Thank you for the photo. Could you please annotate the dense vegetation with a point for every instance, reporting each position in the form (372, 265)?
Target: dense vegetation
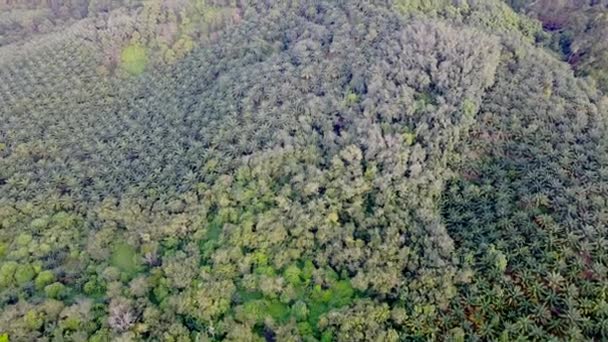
(578, 30)
(301, 171)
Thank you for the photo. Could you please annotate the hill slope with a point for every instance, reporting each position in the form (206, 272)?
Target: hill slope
(307, 171)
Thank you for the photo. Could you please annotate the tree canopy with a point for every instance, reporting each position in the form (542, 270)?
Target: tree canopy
(302, 171)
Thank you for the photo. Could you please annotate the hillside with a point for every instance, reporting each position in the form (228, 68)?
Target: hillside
(300, 171)
(578, 30)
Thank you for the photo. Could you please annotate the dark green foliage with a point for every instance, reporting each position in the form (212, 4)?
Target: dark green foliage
(517, 202)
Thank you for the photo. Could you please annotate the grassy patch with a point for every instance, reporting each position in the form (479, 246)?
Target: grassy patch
(134, 59)
(126, 259)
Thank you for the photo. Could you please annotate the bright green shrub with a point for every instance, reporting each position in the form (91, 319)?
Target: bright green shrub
(254, 310)
(43, 249)
(305, 329)
(55, 290)
(43, 279)
(24, 273)
(20, 253)
(469, 108)
(33, 320)
(7, 272)
(350, 98)
(408, 138)
(23, 239)
(292, 275)
(101, 335)
(328, 336)
(64, 220)
(307, 271)
(93, 288)
(341, 294)
(39, 223)
(70, 323)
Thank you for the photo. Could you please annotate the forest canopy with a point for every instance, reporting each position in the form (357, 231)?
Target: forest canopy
(306, 170)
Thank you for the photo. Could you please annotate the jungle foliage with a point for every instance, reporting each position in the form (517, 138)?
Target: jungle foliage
(299, 170)
(578, 30)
